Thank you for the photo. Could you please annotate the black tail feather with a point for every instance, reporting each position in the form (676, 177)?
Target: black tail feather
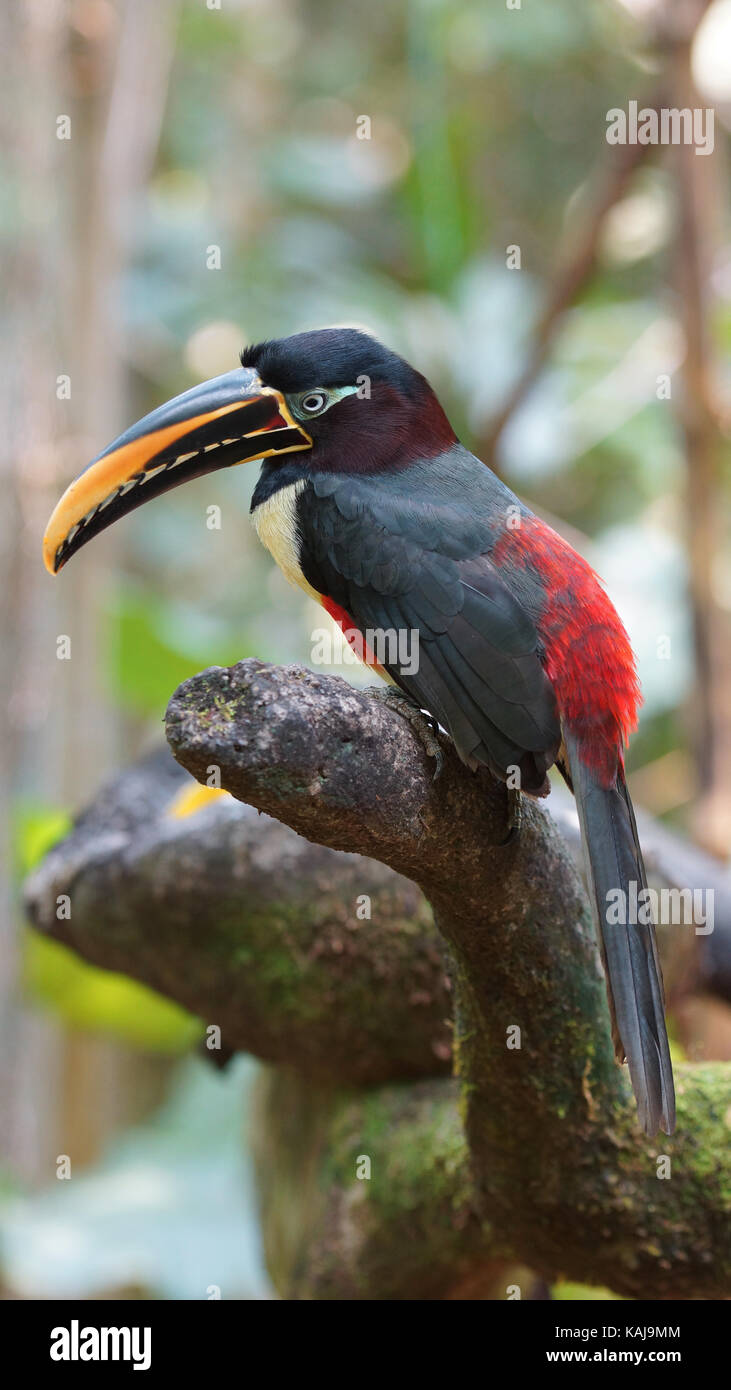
(629, 950)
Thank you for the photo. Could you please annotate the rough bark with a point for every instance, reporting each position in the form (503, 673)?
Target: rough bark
(255, 930)
(558, 1162)
(406, 1227)
(548, 1169)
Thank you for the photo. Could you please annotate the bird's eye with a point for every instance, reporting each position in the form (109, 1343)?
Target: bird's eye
(313, 402)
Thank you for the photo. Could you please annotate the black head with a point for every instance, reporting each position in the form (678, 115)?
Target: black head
(364, 407)
(335, 398)
(327, 357)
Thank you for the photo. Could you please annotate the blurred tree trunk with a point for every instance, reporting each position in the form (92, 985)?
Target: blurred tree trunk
(107, 73)
(33, 44)
(698, 413)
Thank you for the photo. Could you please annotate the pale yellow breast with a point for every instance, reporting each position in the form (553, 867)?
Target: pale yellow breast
(276, 526)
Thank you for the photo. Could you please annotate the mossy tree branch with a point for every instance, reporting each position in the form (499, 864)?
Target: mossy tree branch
(407, 1227)
(254, 928)
(566, 1179)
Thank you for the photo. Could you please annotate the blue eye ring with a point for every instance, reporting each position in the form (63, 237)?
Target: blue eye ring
(313, 402)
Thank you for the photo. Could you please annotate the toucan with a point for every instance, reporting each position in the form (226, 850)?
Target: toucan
(368, 501)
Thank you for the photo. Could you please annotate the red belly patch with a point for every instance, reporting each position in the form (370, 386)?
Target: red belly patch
(352, 634)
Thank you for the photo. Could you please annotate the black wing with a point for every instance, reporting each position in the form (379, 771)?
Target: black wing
(394, 564)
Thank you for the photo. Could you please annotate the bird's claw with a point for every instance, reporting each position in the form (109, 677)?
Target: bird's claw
(513, 816)
(425, 726)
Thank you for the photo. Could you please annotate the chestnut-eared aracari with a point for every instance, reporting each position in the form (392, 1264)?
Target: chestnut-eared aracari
(367, 501)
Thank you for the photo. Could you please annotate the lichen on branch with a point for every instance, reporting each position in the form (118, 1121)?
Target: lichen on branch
(560, 1167)
(251, 922)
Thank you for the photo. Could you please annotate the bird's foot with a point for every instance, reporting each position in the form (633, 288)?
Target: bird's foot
(513, 815)
(424, 725)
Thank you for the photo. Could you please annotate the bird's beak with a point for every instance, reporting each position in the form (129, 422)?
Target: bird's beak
(225, 421)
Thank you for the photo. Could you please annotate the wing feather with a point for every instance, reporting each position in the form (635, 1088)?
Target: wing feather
(391, 565)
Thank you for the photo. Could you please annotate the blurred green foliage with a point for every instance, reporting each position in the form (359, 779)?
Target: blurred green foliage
(37, 829)
(80, 994)
(153, 647)
(101, 1001)
(582, 1293)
